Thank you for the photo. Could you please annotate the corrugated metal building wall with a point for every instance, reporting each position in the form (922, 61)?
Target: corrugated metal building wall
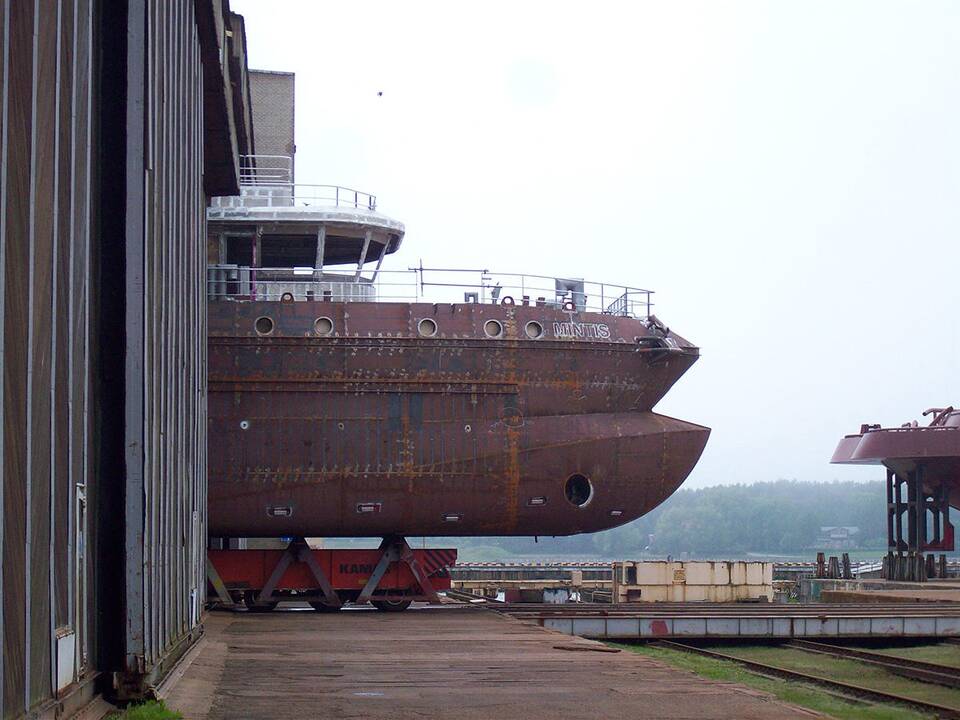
(45, 147)
(165, 386)
(116, 123)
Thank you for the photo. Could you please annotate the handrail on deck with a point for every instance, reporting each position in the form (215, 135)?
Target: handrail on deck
(447, 285)
(267, 181)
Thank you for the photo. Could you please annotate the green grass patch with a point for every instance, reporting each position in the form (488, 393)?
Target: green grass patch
(846, 671)
(147, 711)
(811, 697)
(940, 653)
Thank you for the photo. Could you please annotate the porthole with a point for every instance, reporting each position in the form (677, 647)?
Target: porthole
(427, 327)
(493, 328)
(534, 330)
(323, 326)
(244, 424)
(578, 490)
(263, 325)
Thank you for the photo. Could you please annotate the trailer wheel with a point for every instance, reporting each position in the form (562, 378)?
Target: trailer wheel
(324, 608)
(391, 605)
(250, 601)
(261, 607)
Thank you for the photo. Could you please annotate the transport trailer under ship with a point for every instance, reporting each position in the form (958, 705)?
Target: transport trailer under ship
(362, 402)
(390, 578)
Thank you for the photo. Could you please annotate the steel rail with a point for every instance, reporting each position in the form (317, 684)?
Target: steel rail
(826, 612)
(461, 596)
(848, 689)
(913, 669)
(713, 614)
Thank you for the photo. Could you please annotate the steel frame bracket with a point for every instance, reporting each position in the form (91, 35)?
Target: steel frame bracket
(298, 551)
(395, 548)
(218, 585)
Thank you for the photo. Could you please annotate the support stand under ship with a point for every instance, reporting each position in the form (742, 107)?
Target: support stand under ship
(922, 467)
(350, 400)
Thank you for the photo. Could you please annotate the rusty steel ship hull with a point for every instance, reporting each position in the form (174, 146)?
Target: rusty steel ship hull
(348, 419)
(904, 449)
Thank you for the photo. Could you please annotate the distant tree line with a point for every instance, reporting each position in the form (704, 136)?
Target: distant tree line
(776, 518)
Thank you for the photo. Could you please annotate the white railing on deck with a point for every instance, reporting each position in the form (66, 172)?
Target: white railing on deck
(266, 170)
(267, 181)
(448, 285)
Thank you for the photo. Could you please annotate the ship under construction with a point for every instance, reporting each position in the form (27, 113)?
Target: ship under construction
(349, 399)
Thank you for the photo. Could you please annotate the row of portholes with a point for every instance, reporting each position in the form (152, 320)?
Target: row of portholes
(427, 327)
(491, 328)
(321, 326)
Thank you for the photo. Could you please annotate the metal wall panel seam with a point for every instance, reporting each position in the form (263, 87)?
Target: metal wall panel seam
(168, 381)
(159, 312)
(168, 469)
(3, 291)
(186, 422)
(83, 654)
(52, 577)
(16, 169)
(150, 330)
(199, 424)
(42, 313)
(160, 399)
(156, 315)
(175, 349)
(172, 469)
(66, 334)
(152, 432)
(71, 370)
(181, 239)
(174, 268)
(31, 237)
(134, 337)
(199, 239)
(168, 384)
(200, 504)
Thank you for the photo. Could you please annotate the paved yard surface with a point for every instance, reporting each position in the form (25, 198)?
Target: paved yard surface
(432, 662)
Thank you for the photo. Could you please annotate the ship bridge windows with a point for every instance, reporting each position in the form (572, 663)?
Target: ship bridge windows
(344, 250)
(287, 251)
(239, 251)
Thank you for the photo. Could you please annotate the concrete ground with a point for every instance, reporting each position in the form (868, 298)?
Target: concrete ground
(427, 662)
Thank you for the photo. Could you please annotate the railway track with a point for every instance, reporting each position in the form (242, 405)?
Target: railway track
(913, 669)
(846, 689)
(730, 609)
(470, 598)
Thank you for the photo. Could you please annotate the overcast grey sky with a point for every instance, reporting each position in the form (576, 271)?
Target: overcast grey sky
(784, 174)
